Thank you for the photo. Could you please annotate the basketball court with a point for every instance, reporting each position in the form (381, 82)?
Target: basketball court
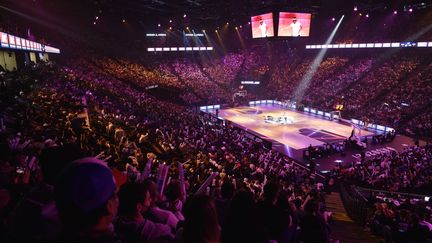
(293, 129)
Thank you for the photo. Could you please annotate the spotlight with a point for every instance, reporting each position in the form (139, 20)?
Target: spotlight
(170, 28)
(124, 21)
(333, 19)
(216, 31)
(360, 14)
(227, 23)
(249, 23)
(159, 25)
(355, 8)
(395, 12)
(236, 28)
(187, 27)
(367, 15)
(241, 26)
(410, 10)
(184, 15)
(170, 21)
(307, 77)
(203, 31)
(97, 17)
(94, 22)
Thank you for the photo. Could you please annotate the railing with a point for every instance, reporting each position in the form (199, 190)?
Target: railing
(356, 205)
(410, 195)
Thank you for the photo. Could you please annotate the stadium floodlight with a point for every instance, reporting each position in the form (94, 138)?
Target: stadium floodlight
(386, 45)
(188, 48)
(173, 48)
(182, 49)
(370, 45)
(378, 45)
(430, 44)
(150, 49)
(362, 45)
(196, 48)
(210, 48)
(348, 45)
(422, 44)
(395, 44)
(203, 48)
(166, 49)
(308, 47)
(306, 79)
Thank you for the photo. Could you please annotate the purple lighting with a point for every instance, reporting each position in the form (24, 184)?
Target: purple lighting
(333, 19)
(395, 12)
(410, 10)
(355, 8)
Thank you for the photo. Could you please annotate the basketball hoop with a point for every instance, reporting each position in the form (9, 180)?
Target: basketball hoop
(335, 115)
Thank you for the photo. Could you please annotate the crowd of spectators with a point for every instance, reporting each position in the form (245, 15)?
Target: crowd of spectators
(401, 219)
(399, 97)
(406, 171)
(162, 154)
(395, 216)
(52, 117)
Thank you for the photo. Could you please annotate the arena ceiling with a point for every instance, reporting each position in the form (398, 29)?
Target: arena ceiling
(211, 12)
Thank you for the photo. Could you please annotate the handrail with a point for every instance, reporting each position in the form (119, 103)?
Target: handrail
(389, 192)
(359, 194)
(356, 207)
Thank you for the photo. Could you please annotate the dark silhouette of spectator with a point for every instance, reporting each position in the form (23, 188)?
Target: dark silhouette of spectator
(131, 226)
(201, 224)
(87, 201)
(242, 224)
(312, 226)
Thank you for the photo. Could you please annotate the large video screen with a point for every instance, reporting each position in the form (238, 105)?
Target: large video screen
(262, 26)
(294, 24)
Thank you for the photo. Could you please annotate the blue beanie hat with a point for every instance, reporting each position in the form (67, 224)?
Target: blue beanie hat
(87, 183)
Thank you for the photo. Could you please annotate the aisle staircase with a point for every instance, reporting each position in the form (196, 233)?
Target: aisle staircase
(342, 227)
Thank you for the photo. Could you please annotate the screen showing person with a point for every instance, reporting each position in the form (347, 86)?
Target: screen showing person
(294, 24)
(262, 26)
